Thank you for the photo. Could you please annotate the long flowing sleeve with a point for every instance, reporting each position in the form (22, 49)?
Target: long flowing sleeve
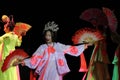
(1, 45)
(72, 50)
(3, 37)
(1, 40)
(33, 62)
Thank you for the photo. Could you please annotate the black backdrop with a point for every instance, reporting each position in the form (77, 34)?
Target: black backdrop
(66, 15)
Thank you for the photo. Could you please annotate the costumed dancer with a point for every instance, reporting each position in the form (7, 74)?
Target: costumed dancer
(116, 61)
(88, 35)
(8, 42)
(49, 59)
(113, 24)
(98, 69)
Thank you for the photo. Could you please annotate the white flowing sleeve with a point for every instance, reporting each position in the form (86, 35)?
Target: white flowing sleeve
(72, 50)
(33, 62)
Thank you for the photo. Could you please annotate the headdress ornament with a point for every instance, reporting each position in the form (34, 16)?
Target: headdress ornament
(51, 26)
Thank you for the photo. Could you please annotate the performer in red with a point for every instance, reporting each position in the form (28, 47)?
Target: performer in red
(98, 66)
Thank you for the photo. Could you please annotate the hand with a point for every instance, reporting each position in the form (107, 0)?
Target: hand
(86, 46)
(89, 43)
(92, 43)
(17, 62)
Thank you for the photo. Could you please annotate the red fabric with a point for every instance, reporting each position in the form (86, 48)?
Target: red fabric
(41, 62)
(32, 76)
(44, 69)
(83, 67)
(61, 62)
(34, 59)
(51, 49)
(91, 62)
(73, 50)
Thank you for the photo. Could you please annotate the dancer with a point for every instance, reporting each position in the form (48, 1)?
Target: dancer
(8, 42)
(98, 69)
(49, 59)
(116, 61)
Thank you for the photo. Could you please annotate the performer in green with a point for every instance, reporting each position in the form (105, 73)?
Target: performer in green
(8, 42)
(116, 61)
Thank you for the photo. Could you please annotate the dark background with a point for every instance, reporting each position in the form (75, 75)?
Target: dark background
(66, 15)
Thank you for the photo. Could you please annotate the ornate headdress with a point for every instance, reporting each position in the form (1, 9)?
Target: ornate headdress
(51, 26)
(6, 18)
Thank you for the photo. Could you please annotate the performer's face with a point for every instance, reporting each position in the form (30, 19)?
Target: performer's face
(48, 37)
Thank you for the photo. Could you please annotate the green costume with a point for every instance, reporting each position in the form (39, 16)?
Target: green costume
(116, 62)
(8, 42)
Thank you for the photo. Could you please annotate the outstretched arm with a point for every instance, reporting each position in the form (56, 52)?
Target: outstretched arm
(33, 62)
(73, 50)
